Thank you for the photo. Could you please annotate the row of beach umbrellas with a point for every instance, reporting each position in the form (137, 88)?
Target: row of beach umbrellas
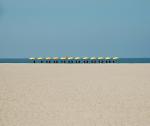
(85, 59)
(75, 58)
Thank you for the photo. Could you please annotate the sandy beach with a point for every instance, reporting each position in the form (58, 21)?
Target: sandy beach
(74, 95)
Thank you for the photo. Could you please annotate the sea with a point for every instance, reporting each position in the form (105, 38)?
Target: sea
(120, 60)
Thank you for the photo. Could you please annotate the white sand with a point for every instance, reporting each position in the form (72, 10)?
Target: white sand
(74, 95)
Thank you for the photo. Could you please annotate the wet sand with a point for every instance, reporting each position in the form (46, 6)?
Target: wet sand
(74, 95)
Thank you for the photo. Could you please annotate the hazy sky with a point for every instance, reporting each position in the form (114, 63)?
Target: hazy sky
(74, 27)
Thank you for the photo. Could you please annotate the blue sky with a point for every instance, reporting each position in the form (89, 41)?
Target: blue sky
(75, 28)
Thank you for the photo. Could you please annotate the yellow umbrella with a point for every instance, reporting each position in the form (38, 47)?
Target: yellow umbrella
(93, 58)
(100, 58)
(55, 58)
(107, 58)
(39, 58)
(115, 58)
(85, 58)
(32, 58)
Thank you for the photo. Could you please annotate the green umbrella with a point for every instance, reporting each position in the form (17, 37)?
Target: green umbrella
(100, 58)
(93, 58)
(85, 58)
(77, 59)
(107, 58)
(115, 58)
(70, 58)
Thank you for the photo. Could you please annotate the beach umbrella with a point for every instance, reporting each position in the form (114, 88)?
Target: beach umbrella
(107, 59)
(115, 58)
(93, 59)
(40, 58)
(77, 59)
(48, 58)
(64, 58)
(70, 58)
(100, 58)
(55, 59)
(32, 58)
(85, 59)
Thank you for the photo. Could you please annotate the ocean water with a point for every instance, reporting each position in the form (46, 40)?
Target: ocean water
(26, 60)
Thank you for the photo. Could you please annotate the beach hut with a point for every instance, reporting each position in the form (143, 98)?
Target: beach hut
(77, 59)
(108, 59)
(100, 59)
(93, 59)
(64, 59)
(33, 59)
(48, 59)
(55, 59)
(115, 59)
(85, 59)
(70, 59)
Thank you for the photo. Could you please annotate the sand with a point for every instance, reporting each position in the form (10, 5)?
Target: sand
(74, 95)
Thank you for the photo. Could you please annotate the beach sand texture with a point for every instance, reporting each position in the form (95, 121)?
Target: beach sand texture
(74, 95)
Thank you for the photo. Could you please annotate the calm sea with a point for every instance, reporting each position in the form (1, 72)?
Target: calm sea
(26, 60)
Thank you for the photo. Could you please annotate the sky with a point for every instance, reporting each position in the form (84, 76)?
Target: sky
(34, 28)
